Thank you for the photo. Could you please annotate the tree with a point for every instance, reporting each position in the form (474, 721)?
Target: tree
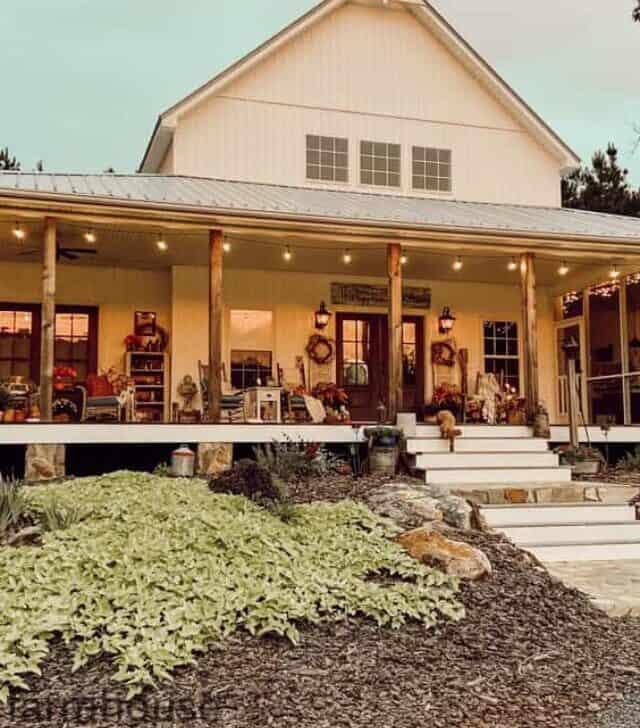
(7, 161)
(636, 12)
(603, 187)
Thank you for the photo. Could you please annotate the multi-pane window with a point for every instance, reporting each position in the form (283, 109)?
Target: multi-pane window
(380, 164)
(72, 343)
(432, 169)
(16, 343)
(327, 158)
(356, 352)
(250, 368)
(501, 355)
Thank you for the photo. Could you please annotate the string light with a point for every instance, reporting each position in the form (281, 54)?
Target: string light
(458, 264)
(18, 232)
(90, 236)
(347, 257)
(226, 246)
(161, 244)
(513, 264)
(563, 269)
(614, 273)
(404, 259)
(287, 255)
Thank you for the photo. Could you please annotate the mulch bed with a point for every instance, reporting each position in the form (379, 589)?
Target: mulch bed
(531, 653)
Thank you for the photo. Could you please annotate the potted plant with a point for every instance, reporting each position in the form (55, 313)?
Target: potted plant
(584, 460)
(384, 448)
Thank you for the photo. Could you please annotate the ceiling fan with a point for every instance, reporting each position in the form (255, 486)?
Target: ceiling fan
(63, 252)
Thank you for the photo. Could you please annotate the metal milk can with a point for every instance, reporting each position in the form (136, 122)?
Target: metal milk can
(183, 462)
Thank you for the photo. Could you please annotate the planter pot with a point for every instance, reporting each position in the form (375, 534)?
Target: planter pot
(517, 418)
(586, 467)
(383, 460)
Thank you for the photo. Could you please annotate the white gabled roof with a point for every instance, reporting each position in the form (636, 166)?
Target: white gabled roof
(429, 17)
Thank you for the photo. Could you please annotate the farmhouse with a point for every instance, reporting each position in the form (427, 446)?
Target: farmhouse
(362, 201)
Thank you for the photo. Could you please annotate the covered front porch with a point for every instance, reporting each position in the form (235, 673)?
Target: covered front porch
(232, 300)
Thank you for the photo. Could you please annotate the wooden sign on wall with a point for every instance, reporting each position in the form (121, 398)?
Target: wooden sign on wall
(358, 294)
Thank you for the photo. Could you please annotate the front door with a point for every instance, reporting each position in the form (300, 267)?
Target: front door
(362, 362)
(570, 328)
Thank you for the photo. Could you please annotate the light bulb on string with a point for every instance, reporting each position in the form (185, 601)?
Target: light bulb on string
(287, 255)
(347, 257)
(458, 264)
(563, 269)
(18, 232)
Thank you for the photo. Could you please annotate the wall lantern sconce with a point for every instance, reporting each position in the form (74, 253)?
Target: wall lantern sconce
(322, 316)
(446, 321)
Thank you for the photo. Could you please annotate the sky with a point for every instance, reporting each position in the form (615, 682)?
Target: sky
(84, 80)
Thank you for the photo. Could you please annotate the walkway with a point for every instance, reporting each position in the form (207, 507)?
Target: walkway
(613, 585)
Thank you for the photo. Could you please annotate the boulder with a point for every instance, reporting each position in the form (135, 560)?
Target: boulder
(453, 557)
(414, 505)
(408, 506)
(44, 462)
(214, 458)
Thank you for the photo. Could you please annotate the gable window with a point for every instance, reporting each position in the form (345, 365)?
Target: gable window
(380, 164)
(432, 169)
(501, 355)
(327, 158)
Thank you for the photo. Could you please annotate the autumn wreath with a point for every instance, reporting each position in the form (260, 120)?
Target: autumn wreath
(320, 349)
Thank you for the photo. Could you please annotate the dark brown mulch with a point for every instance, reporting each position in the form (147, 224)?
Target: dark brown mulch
(531, 653)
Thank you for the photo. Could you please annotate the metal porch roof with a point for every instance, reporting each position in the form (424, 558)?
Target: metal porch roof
(325, 205)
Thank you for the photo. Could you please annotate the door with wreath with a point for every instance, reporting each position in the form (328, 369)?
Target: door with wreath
(362, 358)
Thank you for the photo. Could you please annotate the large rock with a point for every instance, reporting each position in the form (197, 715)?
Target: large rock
(408, 506)
(452, 557)
(44, 462)
(214, 458)
(414, 505)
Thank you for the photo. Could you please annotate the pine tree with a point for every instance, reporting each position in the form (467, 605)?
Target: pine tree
(7, 161)
(603, 187)
(636, 12)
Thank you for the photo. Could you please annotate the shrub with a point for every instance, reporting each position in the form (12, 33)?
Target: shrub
(53, 516)
(14, 512)
(631, 461)
(251, 480)
(289, 460)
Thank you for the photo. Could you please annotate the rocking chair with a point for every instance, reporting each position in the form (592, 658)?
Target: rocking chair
(231, 403)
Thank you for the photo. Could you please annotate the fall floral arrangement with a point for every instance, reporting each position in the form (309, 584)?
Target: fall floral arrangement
(447, 396)
(63, 376)
(335, 401)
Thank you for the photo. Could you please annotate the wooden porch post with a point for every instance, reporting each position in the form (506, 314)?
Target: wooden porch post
(394, 268)
(530, 333)
(215, 324)
(47, 342)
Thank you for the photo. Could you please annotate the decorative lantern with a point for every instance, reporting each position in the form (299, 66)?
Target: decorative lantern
(446, 321)
(322, 316)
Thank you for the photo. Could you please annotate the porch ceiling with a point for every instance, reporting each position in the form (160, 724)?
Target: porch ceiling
(117, 246)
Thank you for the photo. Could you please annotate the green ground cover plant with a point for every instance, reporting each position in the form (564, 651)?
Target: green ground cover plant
(158, 569)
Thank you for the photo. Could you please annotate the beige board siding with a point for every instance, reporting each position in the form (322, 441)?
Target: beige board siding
(403, 88)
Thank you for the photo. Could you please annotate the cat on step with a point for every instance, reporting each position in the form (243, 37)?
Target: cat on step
(448, 429)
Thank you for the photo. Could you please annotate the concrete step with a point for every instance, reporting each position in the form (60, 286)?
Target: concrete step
(587, 551)
(428, 461)
(478, 444)
(494, 476)
(479, 431)
(502, 516)
(541, 534)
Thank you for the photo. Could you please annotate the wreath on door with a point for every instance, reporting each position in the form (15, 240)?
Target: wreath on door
(320, 349)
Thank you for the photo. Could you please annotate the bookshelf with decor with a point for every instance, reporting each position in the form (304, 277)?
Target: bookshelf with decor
(150, 372)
